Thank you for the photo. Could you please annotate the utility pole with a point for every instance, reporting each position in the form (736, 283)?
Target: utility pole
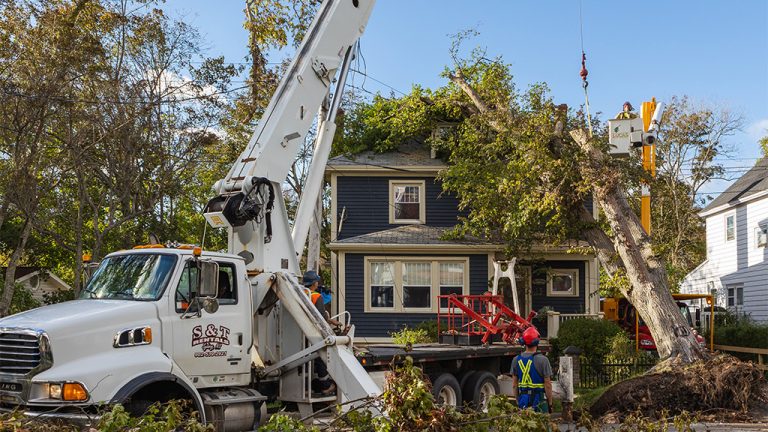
(649, 164)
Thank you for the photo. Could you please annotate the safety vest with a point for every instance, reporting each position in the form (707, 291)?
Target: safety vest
(314, 297)
(528, 378)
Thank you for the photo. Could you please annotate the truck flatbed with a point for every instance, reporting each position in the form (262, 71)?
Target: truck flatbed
(376, 356)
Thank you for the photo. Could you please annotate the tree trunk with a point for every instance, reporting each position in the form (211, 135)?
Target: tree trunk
(313, 250)
(648, 293)
(10, 272)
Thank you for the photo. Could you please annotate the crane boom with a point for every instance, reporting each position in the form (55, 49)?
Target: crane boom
(250, 192)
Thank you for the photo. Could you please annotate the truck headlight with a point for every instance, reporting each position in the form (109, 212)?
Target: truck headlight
(645, 342)
(54, 391)
(69, 392)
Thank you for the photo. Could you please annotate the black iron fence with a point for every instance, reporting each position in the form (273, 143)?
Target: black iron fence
(603, 374)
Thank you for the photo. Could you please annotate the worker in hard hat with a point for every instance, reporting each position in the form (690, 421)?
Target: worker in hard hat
(323, 383)
(627, 112)
(532, 375)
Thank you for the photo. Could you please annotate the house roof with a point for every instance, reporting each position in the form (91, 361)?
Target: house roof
(409, 235)
(410, 154)
(22, 271)
(753, 182)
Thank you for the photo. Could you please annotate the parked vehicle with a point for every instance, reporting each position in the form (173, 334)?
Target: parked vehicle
(226, 331)
(625, 315)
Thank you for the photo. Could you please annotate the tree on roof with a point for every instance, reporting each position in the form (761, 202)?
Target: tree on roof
(524, 165)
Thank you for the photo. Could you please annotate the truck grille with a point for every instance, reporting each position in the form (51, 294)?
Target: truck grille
(19, 353)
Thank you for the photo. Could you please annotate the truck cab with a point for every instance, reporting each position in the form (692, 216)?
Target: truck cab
(625, 315)
(142, 331)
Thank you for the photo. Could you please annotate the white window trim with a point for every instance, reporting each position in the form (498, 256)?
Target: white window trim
(758, 231)
(398, 263)
(574, 273)
(725, 227)
(422, 202)
(735, 287)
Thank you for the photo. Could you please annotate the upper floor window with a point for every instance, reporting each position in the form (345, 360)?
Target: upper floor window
(761, 236)
(406, 202)
(730, 227)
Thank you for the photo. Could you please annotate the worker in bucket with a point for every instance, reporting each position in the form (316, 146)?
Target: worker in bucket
(532, 375)
(323, 383)
(627, 112)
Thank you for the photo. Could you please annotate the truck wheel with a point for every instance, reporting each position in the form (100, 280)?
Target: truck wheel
(447, 391)
(480, 387)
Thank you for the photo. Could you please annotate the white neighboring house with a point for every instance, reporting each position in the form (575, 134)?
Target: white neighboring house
(736, 268)
(39, 281)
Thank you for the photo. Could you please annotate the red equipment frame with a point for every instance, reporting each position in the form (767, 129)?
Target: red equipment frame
(484, 314)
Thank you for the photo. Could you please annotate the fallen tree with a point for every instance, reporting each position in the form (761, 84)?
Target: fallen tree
(524, 166)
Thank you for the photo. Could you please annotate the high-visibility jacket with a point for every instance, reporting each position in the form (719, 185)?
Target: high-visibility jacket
(530, 383)
(315, 296)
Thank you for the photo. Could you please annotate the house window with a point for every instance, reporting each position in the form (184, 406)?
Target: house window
(730, 227)
(417, 285)
(761, 236)
(382, 285)
(563, 283)
(412, 284)
(451, 280)
(735, 295)
(406, 202)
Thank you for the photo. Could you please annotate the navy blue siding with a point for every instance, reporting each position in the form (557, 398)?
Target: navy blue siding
(366, 200)
(560, 304)
(382, 324)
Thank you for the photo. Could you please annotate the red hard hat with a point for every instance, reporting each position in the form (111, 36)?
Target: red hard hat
(531, 336)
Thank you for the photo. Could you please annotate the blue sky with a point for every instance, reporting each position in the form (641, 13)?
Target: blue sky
(716, 52)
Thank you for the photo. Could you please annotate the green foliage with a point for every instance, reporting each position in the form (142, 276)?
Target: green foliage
(622, 350)
(284, 423)
(764, 145)
(408, 337)
(611, 285)
(58, 296)
(408, 398)
(170, 416)
(430, 327)
(22, 300)
(742, 332)
(593, 336)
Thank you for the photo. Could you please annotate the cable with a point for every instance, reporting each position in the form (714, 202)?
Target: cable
(583, 73)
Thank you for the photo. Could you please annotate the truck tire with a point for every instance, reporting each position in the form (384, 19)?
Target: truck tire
(446, 390)
(479, 388)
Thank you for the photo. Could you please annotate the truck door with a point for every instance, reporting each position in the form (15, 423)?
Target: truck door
(211, 348)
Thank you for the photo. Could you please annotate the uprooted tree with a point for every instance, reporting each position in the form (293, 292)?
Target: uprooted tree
(524, 167)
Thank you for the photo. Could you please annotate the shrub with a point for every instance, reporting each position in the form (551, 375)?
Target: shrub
(58, 296)
(430, 327)
(743, 333)
(592, 336)
(408, 337)
(22, 300)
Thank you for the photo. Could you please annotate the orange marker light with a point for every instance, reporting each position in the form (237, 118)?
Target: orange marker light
(147, 334)
(74, 392)
(197, 251)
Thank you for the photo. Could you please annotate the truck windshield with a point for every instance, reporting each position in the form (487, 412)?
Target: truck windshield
(131, 277)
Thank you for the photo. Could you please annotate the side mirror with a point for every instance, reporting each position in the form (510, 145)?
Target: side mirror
(208, 284)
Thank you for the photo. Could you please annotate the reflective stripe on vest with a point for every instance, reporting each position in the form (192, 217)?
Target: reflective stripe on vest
(527, 375)
(314, 296)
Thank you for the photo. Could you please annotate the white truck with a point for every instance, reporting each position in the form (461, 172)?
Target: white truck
(157, 323)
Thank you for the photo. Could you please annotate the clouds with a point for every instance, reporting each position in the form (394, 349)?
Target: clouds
(758, 129)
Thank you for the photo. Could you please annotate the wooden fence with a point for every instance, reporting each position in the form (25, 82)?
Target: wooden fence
(760, 352)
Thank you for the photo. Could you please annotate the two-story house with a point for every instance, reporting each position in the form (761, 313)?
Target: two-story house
(736, 268)
(390, 261)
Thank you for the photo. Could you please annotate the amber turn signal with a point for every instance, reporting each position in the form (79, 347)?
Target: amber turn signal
(74, 392)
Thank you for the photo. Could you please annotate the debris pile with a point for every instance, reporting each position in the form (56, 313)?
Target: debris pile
(721, 383)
